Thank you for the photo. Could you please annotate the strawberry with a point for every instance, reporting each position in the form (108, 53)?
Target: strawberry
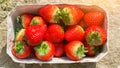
(59, 49)
(20, 35)
(45, 51)
(55, 33)
(37, 20)
(25, 19)
(21, 50)
(92, 50)
(75, 50)
(75, 32)
(83, 24)
(35, 34)
(50, 13)
(95, 35)
(94, 18)
(71, 15)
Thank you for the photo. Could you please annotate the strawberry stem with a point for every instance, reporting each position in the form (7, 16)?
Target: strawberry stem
(57, 16)
(19, 47)
(42, 49)
(94, 38)
(80, 52)
(65, 16)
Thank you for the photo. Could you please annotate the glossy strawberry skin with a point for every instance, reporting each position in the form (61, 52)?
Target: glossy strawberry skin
(59, 49)
(35, 34)
(75, 50)
(25, 19)
(18, 54)
(94, 18)
(95, 36)
(75, 32)
(71, 15)
(45, 51)
(54, 33)
(37, 20)
(49, 13)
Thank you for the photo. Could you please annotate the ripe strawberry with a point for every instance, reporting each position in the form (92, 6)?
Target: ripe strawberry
(71, 15)
(50, 13)
(25, 19)
(45, 51)
(21, 50)
(35, 34)
(94, 18)
(59, 49)
(20, 35)
(83, 24)
(54, 33)
(92, 50)
(75, 32)
(37, 20)
(75, 50)
(95, 35)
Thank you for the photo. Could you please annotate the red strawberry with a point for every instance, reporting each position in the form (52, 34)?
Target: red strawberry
(55, 33)
(83, 24)
(35, 34)
(20, 35)
(25, 19)
(50, 13)
(45, 51)
(75, 50)
(21, 50)
(75, 32)
(92, 50)
(37, 20)
(59, 49)
(94, 18)
(95, 35)
(71, 15)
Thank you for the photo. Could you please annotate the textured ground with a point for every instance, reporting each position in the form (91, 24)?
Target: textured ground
(112, 60)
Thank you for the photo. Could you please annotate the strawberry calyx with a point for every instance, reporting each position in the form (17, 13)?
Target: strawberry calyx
(19, 47)
(80, 52)
(19, 20)
(17, 32)
(65, 16)
(58, 16)
(94, 38)
(96, 50)
(42, 49)
(34, 22)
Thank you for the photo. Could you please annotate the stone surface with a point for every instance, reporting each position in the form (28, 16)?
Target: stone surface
(112, 60)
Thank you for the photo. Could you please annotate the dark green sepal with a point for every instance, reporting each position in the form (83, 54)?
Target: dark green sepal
(42, 49)
(80, 52)
(19, 47)
(19, 20)
(65, 16)
(94, 38)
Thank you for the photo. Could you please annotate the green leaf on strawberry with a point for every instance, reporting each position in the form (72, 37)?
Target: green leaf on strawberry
(94, 38)
(80, 52)
(42, 49)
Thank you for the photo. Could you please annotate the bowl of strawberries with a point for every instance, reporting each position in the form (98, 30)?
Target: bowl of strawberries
(57, 33)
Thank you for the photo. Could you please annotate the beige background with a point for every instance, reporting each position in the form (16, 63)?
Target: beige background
(112, 60)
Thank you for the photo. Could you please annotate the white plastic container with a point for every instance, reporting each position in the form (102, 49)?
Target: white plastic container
(31, 8)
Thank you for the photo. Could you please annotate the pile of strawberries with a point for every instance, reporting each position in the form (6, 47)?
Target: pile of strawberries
(57, 32)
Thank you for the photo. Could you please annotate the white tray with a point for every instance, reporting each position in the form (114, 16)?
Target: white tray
(32, 8)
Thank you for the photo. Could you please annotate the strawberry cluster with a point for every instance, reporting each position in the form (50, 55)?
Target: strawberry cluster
(59, 31)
